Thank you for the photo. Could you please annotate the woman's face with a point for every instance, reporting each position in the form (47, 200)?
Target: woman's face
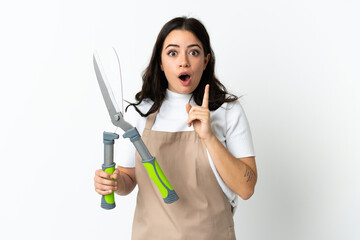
(183, 61)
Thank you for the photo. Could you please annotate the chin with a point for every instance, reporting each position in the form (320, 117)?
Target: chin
(185, 90)
(182, 90)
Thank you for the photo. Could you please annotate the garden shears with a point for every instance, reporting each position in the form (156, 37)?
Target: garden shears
(116, 114)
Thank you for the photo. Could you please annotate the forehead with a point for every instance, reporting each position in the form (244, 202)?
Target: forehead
(182, 38)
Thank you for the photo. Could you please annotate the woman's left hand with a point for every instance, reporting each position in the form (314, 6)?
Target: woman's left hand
(199, 117)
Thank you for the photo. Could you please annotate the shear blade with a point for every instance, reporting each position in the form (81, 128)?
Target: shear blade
(108, 74)
(109, 68)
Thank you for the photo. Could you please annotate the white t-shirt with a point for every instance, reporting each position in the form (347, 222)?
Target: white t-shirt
(228, 123)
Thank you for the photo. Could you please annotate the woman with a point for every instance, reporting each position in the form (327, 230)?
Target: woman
(199, 135)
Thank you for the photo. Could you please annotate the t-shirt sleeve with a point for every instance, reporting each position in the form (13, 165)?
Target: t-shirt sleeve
(238, 135)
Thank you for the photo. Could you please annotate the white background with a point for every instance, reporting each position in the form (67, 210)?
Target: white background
(296, 64)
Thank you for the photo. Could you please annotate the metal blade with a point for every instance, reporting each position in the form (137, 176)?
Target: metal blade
(121, 94)
(114, 111)
(108, 96)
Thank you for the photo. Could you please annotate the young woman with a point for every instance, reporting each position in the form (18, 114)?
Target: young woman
(200, 137)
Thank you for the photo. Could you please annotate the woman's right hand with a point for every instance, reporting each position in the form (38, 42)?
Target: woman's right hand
(103, 184)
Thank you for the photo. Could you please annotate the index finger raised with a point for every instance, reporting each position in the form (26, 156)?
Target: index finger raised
(205, 102)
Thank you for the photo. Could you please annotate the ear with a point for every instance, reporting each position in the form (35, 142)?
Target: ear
(161, 66)
(206, 60)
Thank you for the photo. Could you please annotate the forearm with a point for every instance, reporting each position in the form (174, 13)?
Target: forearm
(126, 183)
(239, 176)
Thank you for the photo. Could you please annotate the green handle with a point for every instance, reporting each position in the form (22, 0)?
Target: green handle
(108, 201)
(157, 175)
(167, 192)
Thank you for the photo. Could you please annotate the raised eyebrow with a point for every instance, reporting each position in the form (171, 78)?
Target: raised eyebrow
(172, 45)
(189, 46)
(194, 45)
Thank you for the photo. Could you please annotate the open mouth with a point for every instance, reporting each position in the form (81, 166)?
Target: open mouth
(184, 77)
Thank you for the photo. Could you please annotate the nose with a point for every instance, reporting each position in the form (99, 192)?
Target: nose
(184, 61)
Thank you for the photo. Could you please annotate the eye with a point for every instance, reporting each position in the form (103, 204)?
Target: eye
(194, 52)
(172, 53)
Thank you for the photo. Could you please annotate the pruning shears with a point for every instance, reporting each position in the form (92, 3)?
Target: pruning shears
(108, 201)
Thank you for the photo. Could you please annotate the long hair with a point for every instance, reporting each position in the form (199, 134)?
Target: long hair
(154, 80)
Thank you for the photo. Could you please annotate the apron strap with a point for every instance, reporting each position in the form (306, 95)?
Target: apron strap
(151, 120)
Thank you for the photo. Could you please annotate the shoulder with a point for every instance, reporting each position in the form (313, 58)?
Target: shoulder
(233, 109)
(229, 110)
(235, 115)
(228, 119)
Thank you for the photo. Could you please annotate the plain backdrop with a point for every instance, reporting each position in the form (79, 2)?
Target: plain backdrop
(295, 64)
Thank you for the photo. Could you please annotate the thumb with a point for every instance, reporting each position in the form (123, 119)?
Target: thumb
(115, 174)
(188, 107)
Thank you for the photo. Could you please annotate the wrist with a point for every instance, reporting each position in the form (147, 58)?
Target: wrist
(209, 139)
(120, 187)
